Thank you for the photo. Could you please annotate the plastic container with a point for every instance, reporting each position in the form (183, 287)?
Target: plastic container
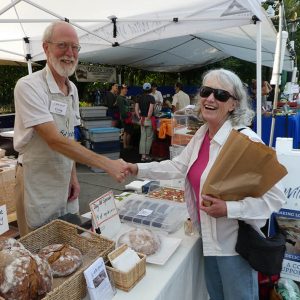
(102, 134)
(103, 147)
(93, 111)
(154, 213)
(185, 123)
(98, 122)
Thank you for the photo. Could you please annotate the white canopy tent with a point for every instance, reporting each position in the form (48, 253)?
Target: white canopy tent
(157, 38)
(160, 35)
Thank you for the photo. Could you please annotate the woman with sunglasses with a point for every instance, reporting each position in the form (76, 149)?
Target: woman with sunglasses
(224, 106)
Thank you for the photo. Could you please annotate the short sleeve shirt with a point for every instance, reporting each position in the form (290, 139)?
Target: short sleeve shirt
(144, 102)
(32, 104)
(182, 99)
(158, 96)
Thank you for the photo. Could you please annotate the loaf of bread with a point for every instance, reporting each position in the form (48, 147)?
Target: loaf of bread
(63, 259)
(141, 240)
(23, 276)
(10, 243)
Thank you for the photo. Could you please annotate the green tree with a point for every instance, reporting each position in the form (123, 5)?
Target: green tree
(8, 78)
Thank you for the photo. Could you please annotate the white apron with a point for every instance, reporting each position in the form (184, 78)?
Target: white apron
(46, 172)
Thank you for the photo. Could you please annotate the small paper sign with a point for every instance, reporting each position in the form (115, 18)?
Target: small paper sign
(105, 215)
(145, 212)
(97, 281)
(3, 219)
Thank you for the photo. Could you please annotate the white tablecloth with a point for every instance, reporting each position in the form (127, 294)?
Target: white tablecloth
(181, 277)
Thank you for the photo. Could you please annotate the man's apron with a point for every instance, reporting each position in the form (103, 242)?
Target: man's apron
(46, 172)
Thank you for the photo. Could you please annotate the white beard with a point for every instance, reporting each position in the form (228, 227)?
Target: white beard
(64, 71)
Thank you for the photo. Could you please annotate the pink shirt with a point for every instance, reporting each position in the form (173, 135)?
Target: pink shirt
(198, 167)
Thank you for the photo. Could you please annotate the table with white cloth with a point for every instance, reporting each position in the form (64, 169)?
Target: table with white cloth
(180, 277)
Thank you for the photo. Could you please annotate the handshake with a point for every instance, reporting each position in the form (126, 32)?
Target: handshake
(120, 169)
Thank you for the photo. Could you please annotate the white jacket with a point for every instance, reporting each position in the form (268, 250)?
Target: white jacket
(219, 234)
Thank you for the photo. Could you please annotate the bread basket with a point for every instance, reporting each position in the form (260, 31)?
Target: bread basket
(91, 246)
(126, 280)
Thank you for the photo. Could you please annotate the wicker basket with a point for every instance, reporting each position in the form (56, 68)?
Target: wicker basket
(7, 188)
(126, 280)
(92, 246)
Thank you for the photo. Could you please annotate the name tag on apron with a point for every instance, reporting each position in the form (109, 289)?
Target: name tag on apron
(58, 108)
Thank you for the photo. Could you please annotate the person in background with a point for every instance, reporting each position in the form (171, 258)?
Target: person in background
(110, 101)
(158, 98)
(144, 111)
(224, 106)
(180, 99)
(125, 116)
(265, 91)
(266, 88)
(47, 110)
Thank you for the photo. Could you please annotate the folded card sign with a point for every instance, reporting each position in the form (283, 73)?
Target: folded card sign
(105, 215)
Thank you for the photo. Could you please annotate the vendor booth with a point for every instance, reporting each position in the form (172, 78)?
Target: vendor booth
(177, 38)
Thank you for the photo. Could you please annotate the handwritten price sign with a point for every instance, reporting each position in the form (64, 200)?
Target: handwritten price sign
(105, 214)
(103, 208)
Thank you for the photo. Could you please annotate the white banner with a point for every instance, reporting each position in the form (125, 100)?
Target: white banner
(85, 73)
(288, 217)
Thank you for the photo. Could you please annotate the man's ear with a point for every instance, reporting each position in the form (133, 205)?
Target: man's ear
(45, 47)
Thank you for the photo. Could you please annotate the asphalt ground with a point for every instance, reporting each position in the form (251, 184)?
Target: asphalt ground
(93, 185)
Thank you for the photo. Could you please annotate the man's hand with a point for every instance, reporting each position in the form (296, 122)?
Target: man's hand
(118, 169)
(74, 187)
(217, 208)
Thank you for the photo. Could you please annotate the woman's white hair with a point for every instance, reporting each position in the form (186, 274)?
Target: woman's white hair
(242, 114)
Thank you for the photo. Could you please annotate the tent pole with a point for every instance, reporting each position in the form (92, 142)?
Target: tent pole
(276, 75)
(28, 54)
(29, 66)
(258, 79)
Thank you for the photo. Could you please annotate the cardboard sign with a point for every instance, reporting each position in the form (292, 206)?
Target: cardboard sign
(105, 215)
(3, 219)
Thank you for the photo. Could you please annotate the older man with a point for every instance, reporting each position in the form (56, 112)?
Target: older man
(47, 109)
(180, 99)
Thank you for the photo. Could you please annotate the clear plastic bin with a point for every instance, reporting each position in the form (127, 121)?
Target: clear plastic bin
(185, 123)
(154, 213)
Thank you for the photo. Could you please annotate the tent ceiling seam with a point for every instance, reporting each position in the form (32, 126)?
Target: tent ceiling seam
(224, 43)
(161, 52)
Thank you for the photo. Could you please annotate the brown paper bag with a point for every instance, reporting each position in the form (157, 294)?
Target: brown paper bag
(244, 168)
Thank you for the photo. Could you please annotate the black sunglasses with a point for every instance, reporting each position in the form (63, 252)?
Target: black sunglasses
(220, 95)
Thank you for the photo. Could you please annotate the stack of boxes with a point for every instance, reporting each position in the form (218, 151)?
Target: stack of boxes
(99, 135)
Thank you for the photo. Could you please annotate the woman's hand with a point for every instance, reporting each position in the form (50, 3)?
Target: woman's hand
(217, 206)
(133, 169)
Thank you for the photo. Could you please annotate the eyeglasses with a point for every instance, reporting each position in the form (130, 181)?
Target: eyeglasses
(64, 46)
(220, 95)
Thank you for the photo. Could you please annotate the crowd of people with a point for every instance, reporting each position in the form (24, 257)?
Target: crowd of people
(47, 110)
(143, 110)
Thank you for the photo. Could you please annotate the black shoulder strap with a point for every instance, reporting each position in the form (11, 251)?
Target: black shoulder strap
(240, 129)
